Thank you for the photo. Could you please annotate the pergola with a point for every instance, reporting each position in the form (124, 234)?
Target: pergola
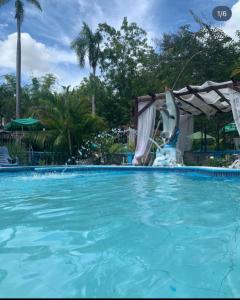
(207, 99)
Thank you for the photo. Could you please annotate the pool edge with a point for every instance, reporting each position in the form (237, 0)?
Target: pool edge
(212, 171)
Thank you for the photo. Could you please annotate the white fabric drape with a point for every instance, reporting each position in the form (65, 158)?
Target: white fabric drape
(184, 142)
(146, 123)
(235, 104)
(131, 136)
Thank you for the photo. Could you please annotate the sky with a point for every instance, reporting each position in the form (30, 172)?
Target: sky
(46, 35)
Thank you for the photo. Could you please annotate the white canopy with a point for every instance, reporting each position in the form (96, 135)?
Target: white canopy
(208, 98)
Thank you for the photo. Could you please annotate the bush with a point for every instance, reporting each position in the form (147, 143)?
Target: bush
(217, 162)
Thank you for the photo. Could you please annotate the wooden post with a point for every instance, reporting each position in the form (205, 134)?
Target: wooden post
(136, 118)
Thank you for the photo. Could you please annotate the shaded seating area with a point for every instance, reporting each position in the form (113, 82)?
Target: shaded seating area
(5, 159)
(209, 99)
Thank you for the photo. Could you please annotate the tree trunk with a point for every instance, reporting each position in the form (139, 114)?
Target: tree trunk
(69, 142)
(18, 69)
(93, 95)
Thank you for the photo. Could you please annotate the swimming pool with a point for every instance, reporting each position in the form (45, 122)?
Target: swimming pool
(119, 234)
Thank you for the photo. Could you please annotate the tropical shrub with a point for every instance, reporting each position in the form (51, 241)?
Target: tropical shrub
(67, 122)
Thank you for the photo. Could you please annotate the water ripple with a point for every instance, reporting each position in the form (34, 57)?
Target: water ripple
(105, 234)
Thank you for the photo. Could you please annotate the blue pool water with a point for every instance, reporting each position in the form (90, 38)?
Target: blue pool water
(119, 234)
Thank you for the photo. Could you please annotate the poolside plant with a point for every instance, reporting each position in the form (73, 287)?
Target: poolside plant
(104, 146)
(67, 121)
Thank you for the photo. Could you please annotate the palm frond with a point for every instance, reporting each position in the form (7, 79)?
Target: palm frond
(35, 3)
(86, 32)
(87, 45)
(80, 47)
(19, 10)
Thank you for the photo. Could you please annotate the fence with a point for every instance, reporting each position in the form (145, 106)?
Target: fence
(211, 158)
(37, 158)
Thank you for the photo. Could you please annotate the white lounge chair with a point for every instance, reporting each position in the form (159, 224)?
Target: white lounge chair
(235, 164)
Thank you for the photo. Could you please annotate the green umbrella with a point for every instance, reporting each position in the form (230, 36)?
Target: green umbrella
(199, 135)
(231, 127)
(28, 124)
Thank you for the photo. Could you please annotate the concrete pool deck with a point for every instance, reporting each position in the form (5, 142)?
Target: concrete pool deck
(212, 171)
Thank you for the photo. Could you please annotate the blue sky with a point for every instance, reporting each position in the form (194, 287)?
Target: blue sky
(46, 36)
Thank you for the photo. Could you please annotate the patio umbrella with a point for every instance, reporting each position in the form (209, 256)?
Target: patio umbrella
(200, 135)
(29, 124)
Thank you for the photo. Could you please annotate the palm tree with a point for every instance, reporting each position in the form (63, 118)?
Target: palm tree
(87, 44)
(67, 121)
(19, 16)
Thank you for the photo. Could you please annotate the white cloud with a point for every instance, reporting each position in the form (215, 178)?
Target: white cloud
(233, 24)
(39, 59)
(57, 25)
(138, 11)
(2, 25)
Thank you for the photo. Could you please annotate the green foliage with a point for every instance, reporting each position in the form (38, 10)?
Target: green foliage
(217, 162)
(214, 55)
(126, 67)
(129, 67)
(7, 99)
(87, 44)
(116, 148)
(104, 146)
(67, 121)
(236, 73)
(17, 150)
(130, 147)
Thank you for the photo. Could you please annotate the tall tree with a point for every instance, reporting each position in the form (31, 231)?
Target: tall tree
(87, 44)
(19, 16)
(207, 54)
(127, 67)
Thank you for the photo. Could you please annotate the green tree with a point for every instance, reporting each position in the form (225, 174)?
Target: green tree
(7, 98)
(207, 54)
(87, 44)
(107, 106)
(19, 16)
(67, 121)
(7, 101)
(126, 67)
(191, 58)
